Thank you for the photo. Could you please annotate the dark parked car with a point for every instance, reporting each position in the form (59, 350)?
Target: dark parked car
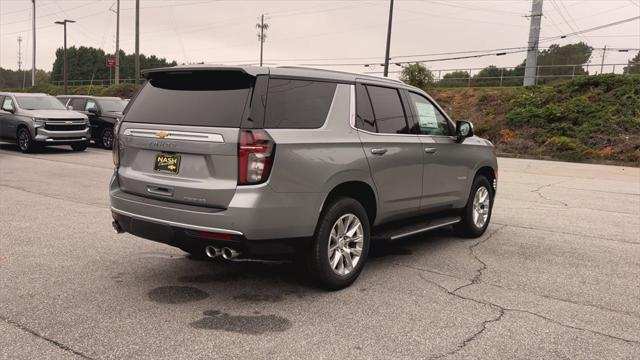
(102, 112)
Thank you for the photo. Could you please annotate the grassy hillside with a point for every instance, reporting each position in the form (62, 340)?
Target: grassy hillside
(587, 119)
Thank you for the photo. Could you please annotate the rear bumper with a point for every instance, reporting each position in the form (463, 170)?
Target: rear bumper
(254, 213)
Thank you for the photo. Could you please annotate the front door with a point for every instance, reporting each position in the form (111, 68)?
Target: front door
(445, 172)
(394, 155)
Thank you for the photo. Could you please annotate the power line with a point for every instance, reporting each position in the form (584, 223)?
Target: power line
(591, 29)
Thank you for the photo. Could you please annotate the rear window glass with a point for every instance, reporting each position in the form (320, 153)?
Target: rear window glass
(388, 110)
(298, 104)
(196, 98)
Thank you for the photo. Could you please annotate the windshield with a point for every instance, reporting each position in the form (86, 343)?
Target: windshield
(39, 103)
(111, 105)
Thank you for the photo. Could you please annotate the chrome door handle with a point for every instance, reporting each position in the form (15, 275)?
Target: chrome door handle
(430, 150)
(381, 151)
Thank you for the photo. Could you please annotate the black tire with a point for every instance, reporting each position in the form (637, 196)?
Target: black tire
(79, 146)
(318, 265)
(106, 138)
(467, 226)
(25, 142)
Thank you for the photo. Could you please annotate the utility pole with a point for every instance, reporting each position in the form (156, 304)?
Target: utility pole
(19, 53)
(262, 36)
(33, 66)
(137, 56)
(604, 51)
(534, 38)
(64, 71)
(386, 54)
(117, 80)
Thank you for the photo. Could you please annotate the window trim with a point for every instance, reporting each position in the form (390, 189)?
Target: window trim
(13, 102)
(95, 103)
(294, 78)
(402, 105)
(452, 126)
(352, 119)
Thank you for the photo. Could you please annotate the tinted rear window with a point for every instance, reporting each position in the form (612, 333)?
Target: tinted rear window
(387, 107)
(298, 104)
(197, 98)
(364, 112)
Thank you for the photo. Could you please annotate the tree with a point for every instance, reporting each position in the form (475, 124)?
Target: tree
(86, 63)
(552, 59)
(455, 79)
(634, 65)
(417, 75)
(17, 79)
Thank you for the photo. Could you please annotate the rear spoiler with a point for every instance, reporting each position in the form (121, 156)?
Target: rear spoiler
(250, 70)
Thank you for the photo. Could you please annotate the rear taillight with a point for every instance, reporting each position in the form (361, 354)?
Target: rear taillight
(115, 145)
(256, 150)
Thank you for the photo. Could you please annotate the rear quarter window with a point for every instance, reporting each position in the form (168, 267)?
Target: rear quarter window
(298, 104)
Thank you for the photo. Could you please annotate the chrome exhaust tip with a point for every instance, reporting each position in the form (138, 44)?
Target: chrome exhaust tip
(228, 253)
(116, 227)
(212, 251)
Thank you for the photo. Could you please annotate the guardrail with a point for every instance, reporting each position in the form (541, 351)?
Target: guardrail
(505, 77)
(94, 82)
(544, 74)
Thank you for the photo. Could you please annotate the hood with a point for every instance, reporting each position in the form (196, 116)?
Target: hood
(55, 114)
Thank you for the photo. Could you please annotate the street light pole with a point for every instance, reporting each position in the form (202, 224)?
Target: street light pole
(33, 65)
(137, 57)
(64, 71)
(386, 54)
(118, 43)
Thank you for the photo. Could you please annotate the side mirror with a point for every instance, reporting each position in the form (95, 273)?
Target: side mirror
(69, 107)
(93, 111)
(464, 129)
(8, 108)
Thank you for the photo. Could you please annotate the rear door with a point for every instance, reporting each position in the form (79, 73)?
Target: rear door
(394, 155)
(179, 137)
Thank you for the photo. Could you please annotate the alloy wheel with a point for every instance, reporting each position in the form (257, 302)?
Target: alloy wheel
(345, 244)
(481, 207)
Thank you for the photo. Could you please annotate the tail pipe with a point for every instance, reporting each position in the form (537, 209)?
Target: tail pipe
(212, 251)
(229, 253)
(116, 227)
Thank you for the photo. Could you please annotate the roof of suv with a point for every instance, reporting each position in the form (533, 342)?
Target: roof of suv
(288, 71)
(22, 94)
(89, 97)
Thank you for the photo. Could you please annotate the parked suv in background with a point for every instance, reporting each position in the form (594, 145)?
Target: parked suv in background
(236, 161)
(103, 113)
(36, 120)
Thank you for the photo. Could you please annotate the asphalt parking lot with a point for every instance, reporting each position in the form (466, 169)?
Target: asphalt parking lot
(556, 276)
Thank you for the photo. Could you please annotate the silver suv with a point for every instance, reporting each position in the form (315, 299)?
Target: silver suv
(36, 120)
(247, 161)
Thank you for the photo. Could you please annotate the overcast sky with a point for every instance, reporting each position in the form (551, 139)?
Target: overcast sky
(315, 32)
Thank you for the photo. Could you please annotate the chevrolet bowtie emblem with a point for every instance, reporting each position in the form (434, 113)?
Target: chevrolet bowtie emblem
(162, 134)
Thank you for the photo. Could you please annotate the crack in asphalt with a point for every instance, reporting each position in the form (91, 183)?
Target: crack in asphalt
(568, 233)
(501, 310)
(539, 189)
(37, 334)
(476, 278)
(54, 197)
